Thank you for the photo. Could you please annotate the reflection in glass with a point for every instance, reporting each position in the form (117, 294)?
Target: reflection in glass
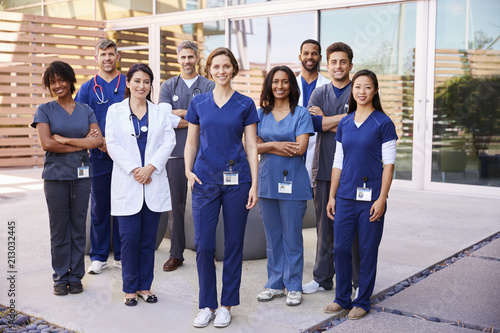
(466, 128)
(208, 36)
(114, 10)
(383, 40)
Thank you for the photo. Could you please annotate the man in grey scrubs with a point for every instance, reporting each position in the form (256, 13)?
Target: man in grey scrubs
(328, 105)
(178, 92)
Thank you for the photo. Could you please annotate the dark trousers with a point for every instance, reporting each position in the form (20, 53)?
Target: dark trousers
(138, 240)
(67, 203)
(178, 193)
(207, 202)
(324, 265)
(100, 228)
(352, 216)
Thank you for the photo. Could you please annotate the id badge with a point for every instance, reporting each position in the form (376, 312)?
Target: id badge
(285, 187)
(83, 172)
(230, 178)
(363, 194)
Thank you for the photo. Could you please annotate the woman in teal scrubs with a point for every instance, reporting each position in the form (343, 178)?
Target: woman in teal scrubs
(284, 187)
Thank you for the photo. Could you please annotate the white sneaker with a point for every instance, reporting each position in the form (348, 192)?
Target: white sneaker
(268, 294)
(97, 267)
(117, 264)
(294, 298)
(203, 318)
(311, 287)
(222, 317)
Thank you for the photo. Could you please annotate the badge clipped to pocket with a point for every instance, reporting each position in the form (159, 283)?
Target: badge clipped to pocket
(364, 193)
(83, 171)
(230, 177)
(285, 186)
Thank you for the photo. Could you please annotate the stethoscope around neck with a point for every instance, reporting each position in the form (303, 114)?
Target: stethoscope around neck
(133, 116)
(196, 90)
(101, 98)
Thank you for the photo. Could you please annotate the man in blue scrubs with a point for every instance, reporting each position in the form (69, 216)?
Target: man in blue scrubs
(308, 80)
(178, 91)
(104, 89)
(328, 105)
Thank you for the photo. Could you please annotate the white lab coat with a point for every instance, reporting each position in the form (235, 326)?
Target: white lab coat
(312, 139)
(128, 195)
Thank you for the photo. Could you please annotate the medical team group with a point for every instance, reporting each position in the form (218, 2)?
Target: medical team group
(320, 139)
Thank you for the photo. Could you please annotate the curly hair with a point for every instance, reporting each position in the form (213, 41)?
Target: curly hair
(59, 69)
(267, 96)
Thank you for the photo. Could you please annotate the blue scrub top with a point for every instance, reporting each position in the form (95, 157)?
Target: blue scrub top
(221, 131)
(87, 95)
(271, 166)
(363, 152)
(63, 166)
(142, 140)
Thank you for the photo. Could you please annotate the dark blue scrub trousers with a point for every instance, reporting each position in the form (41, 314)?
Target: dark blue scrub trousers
(138, 242)
(352, 215)
(67, 203)
(100, 212)
(207, 201)
(282, 221)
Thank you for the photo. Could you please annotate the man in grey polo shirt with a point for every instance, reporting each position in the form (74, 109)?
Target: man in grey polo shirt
(178, 92)
(328, 105)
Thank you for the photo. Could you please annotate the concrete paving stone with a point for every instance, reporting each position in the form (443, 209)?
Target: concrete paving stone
(466, 291)
(491, 250)
(383, 322)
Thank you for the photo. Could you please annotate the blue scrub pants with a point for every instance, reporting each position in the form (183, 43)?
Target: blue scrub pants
(138, 242)
(100, 212)
(67, 203)
(285, 251)
(352, 215)
(207, 201)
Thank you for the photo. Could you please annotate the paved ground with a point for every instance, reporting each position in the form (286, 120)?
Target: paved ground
(421, 230)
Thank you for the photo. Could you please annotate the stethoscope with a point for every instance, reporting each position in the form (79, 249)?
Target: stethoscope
(196, 90)
(143, 129)
(101, 98)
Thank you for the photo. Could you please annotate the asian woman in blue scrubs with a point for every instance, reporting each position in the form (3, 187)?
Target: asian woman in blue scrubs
(284, 188)
(361, 178)
(224, 174)
(140, 139)
(66, 129)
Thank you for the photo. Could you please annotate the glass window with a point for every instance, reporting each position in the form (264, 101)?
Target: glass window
(208, 35)
(114, 10)
(466, 127)
(79, 9)
(169, 6)
(383, 40)
(260, 44)
(133, 46)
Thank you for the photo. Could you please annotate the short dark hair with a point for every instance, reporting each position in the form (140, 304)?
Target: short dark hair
(376, 99)
(59, 69)
(339, 47)
(310, 41)
(267, 96)
(136, 68)
(223, 51)
(104, 44)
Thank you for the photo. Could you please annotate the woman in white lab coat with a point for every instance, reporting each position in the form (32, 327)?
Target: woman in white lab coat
(139, 138)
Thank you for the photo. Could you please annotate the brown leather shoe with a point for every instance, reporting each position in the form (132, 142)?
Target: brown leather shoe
(357, 313)
(172, 264)
(333, 308)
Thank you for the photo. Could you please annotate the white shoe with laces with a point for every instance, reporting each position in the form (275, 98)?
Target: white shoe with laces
(311, 287)
(203, 318)
(222, 317)
(293, 298)
(97, 267)
(268, 294)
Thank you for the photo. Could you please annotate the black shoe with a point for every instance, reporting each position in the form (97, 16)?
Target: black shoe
(148, 298)
(130, 301)
(75, 287)
(61, 289)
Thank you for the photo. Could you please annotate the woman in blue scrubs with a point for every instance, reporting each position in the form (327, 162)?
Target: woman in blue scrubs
(66, 129)
(361, 178)
(224, 174)
(139, 139)
(284, 188)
